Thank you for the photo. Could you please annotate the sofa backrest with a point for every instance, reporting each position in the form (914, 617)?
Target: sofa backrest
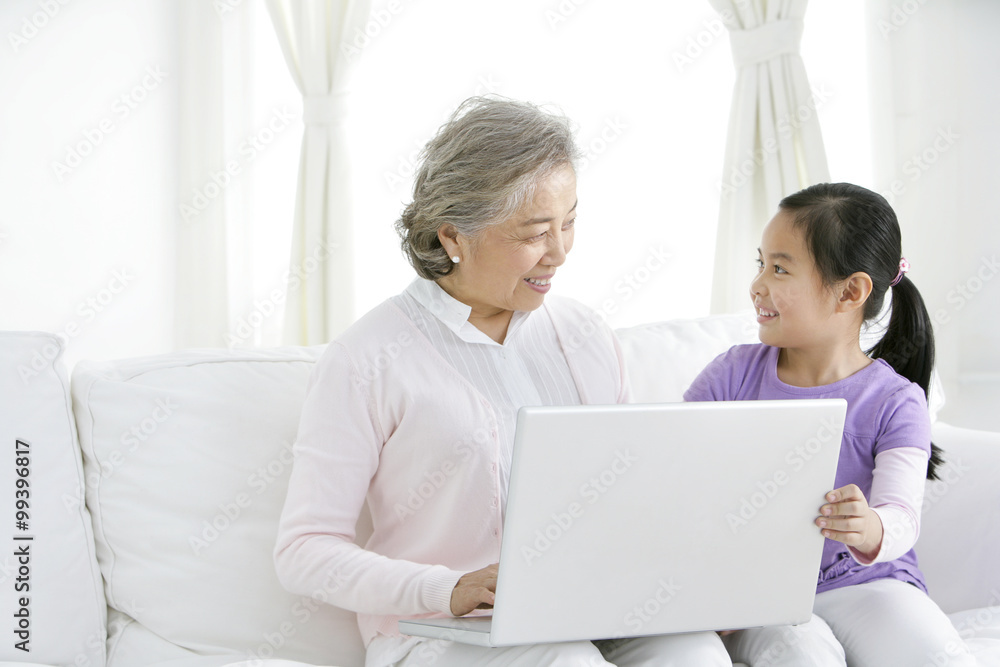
(189, 455)
(52, 602)
(663, 358)
(960, 528)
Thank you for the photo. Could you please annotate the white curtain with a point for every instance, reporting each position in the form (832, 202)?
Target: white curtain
(774, 146)
(213, 278)
(317, 37)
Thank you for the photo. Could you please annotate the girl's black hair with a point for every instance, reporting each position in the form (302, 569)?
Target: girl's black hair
(850, 229)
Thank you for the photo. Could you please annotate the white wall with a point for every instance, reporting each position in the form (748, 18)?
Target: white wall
(87, 251)
(648, 85)
(934, 102)
(975, 214)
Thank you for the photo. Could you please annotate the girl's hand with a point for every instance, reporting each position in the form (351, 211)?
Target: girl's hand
(475, 590)
(848, 519)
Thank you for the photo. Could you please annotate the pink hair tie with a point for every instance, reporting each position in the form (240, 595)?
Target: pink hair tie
(904, 266)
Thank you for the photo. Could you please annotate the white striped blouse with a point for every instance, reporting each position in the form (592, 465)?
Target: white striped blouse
(521, 371)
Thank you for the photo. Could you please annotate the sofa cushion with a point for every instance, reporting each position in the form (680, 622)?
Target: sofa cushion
(960, 527)
(53, 592)
(663, 358)
(190, 453)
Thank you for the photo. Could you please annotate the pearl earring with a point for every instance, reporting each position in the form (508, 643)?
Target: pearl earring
(456, 259)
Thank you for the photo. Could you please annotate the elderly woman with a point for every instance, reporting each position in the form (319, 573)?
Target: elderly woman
(422, 394)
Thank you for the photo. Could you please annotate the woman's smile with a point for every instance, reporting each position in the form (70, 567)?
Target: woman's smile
(540, 284)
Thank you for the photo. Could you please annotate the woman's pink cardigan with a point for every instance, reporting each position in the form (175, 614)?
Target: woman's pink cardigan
(387, 420)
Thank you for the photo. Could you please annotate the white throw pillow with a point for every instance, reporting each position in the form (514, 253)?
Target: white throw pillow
(190, 453)
(52, 593)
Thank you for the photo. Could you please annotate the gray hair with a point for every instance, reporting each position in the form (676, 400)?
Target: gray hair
(481, 168)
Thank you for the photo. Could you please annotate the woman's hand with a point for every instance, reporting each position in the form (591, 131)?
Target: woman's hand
(475, 590)
(848, 519)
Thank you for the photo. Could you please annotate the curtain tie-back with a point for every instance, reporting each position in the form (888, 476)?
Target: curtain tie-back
(771, 40)
(321, 109)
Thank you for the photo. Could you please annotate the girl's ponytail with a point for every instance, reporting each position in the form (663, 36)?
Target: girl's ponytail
(850, 229)
(908, 346)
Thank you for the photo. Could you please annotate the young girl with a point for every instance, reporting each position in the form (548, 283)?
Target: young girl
(825, 265)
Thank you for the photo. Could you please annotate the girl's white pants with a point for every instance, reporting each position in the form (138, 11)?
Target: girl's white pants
(881, 623)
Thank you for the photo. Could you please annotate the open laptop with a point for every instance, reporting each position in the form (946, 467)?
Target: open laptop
(631, 520)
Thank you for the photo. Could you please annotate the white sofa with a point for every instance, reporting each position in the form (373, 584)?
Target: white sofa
(155, 484)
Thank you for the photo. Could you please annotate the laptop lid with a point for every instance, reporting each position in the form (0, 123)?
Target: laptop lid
(629, 520)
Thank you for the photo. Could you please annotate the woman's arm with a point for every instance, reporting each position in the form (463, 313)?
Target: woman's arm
(336, 455)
